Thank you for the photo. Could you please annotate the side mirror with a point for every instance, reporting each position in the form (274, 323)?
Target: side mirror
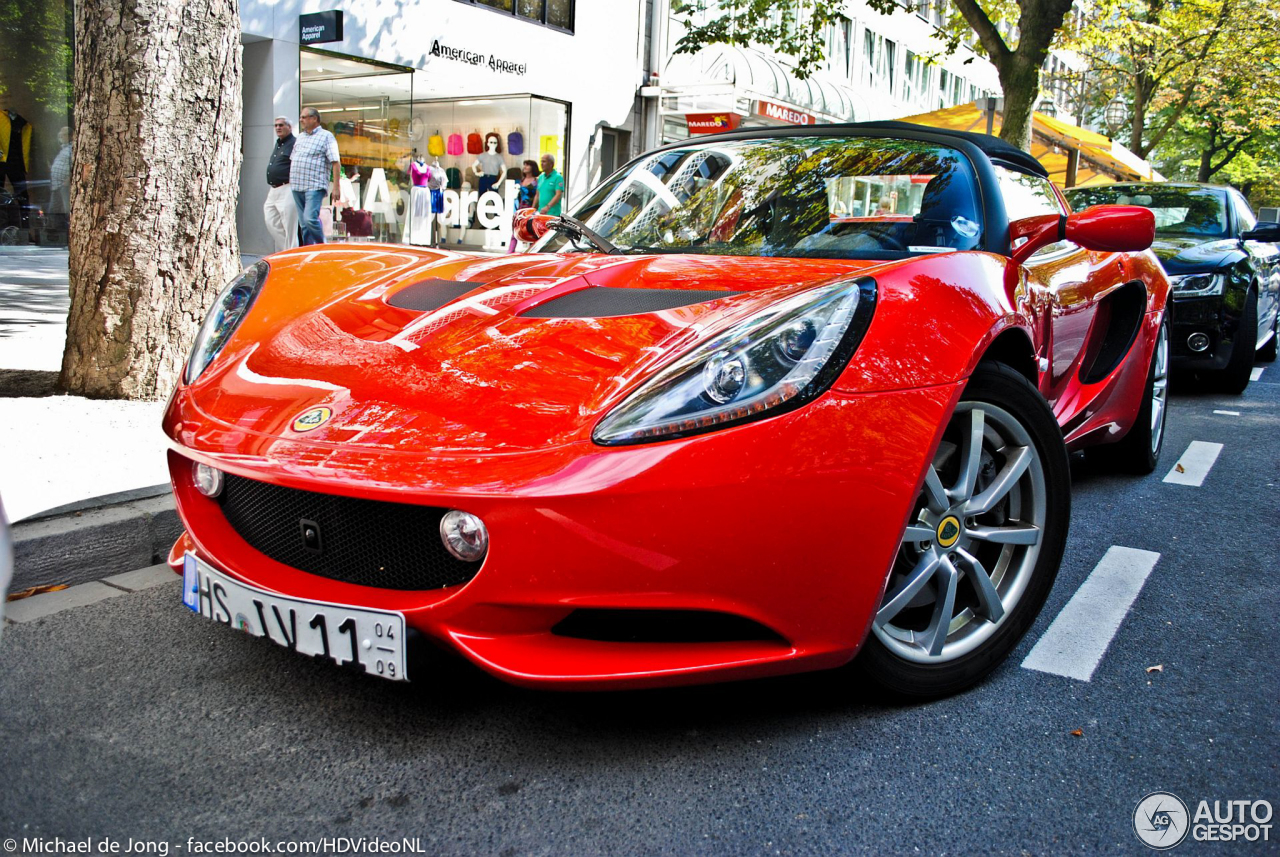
(1109, 228)
(530, 225)
(1268, 232)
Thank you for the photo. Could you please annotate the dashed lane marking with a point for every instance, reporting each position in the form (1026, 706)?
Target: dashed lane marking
(1194, 464)
(1079, 635)
(1228, 413)
(1256, 373)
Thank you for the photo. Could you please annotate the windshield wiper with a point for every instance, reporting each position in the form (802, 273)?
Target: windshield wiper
(573, 226)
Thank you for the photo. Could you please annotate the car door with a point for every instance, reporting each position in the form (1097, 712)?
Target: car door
(1072, 281)
(1264, 258)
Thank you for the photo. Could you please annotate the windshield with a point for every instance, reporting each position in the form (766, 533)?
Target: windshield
(1178, 210)
(824, 197)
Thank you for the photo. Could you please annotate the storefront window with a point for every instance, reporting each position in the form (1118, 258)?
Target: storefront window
(35, 121)
(553, 13)
(367, 108)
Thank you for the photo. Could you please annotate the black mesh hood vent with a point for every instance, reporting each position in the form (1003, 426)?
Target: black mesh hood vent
(604, 302)
(428, 295)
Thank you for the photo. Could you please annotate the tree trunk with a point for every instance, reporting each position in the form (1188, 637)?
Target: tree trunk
(1206, 167)
(156, 166)
(1020, 81)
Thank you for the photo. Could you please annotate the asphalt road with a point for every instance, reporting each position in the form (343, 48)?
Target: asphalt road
(134, 719)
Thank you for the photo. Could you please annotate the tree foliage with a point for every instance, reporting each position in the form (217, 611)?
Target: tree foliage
(795, 27)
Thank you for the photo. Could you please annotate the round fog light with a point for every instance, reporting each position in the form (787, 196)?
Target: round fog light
(464, 535)
(208, 480)
(1197, 342)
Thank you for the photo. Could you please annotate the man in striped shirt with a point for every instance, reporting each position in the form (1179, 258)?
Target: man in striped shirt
(314, 171)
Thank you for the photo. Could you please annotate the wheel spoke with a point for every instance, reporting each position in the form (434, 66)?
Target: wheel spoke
(971, 457)
(936, 634)
(990, 606)
(919, 576)
(935, 496)
(1018, 462)
(917, 533)
(1021, 535)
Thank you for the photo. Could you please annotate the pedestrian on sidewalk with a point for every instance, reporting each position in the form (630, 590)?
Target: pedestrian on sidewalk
(280, 211)
(314, 172)
(60, 178)
(550, 187)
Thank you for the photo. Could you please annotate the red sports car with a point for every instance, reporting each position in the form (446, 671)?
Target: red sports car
(768, 401)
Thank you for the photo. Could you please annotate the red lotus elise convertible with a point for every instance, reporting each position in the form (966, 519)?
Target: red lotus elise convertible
(767, 401)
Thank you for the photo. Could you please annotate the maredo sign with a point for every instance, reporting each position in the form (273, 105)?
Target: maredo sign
(712, 123)
(784, 114)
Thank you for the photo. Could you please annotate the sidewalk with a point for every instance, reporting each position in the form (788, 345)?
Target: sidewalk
(57, 450)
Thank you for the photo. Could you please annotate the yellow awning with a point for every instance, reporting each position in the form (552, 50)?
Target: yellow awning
(1101, 158)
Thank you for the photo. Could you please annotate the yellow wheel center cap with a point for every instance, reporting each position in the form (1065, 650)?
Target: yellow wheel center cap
(948, 531)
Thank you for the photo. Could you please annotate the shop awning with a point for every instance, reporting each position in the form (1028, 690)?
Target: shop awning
(1056, 144)
(726, 77)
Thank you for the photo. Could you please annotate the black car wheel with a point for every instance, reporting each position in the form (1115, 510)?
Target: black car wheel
(982, 547)
(1235, 377)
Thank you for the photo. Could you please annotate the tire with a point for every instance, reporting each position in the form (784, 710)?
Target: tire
(905, 653)
(1267, 353)
(1139, 450)
(1235, 377)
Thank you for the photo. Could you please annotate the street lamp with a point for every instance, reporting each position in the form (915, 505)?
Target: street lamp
(1114, 114)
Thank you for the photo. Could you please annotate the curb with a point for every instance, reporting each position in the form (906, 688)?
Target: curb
(95, 539)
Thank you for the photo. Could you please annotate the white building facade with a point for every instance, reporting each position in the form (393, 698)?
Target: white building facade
(403, 77)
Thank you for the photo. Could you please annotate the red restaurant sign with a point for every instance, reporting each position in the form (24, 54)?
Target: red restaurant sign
(785, 114)
(711, 123)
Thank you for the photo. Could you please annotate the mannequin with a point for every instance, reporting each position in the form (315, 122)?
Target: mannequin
(419, 200)
(15, 146)
(435, 184)
(489, 166)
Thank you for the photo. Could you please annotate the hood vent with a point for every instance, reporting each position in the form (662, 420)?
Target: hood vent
(605, 302)
(428, 295)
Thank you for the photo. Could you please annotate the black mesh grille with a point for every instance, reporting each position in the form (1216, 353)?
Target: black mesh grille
(604, 301)
(366, 542)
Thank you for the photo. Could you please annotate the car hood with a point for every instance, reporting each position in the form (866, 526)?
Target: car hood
(479, 372)
(1182, 255)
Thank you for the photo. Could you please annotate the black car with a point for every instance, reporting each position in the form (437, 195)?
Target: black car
(1224, 267)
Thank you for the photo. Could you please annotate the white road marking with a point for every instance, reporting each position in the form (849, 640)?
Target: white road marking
(1228, 413)
(1256, 373)
(1194, 464)
(1079, 636)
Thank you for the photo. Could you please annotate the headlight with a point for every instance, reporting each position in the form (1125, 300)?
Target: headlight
(774, 362)
(230, 308)
(1198, 285)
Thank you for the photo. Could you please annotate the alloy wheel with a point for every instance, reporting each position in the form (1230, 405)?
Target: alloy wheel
(1159, 387)
(971, 547)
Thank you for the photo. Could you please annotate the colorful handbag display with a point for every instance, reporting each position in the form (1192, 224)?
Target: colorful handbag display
(453, 177)
(475, 143)
(359, 223)
(435, 144)
(455, 144)
(550, 145)
(515, 143)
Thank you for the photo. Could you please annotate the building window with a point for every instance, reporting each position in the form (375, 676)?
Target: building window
(551, 13)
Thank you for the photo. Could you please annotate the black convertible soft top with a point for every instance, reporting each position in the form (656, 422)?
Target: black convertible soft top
(994, 148)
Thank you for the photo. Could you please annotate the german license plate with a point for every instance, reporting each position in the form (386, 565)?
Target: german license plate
(370, 639)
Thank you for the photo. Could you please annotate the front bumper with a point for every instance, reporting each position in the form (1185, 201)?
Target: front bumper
(790, 523)
(1212, 316)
